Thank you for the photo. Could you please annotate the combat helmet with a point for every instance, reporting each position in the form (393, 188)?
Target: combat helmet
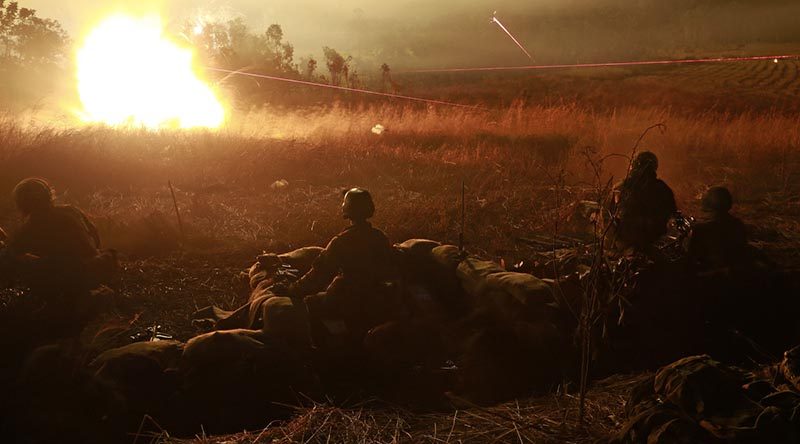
(645, 161)
(357, 204)
(33, 194)
(717, 200)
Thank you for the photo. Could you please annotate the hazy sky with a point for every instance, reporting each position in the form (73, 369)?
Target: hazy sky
(458, 32)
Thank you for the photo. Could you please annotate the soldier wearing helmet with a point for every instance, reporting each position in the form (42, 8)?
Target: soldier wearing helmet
(55, 253)
(60, 233)
(720, 240)
(642, 206)
(355, 270)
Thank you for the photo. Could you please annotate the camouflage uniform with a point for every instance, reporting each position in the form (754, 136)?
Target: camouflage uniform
(61, 233)
(55, 253)
(356, 270)
(643, 205)
(357, 267)
(720, 241)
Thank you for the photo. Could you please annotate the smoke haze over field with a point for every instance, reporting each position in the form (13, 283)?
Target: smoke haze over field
(419, 33)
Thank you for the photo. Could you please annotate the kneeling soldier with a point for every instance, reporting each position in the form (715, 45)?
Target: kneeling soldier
(357, 270)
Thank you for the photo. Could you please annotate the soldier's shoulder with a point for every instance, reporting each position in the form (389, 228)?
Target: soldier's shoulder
(703, 227)
(347, 232)
(736, 223)
(379, 233)
(361, 232)
(663, 185)
(71, 210)
(663, 189)
(340, 238)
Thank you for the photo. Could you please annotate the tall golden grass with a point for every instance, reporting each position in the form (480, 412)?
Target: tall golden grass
(509, 160)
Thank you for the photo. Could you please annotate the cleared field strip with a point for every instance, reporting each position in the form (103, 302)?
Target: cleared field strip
(763, 77)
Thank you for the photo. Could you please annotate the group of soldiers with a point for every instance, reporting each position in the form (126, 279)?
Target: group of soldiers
(643, 205)
(420, 318)
(57, 249)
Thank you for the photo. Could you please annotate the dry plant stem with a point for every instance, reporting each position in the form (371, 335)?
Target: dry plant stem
(598, 295)
(177, 211)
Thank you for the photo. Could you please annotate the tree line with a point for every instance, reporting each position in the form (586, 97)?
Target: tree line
(32, 50)
(34, 53)
(232, 45)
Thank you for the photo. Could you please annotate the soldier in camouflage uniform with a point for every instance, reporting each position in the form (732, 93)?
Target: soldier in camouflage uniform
(50, 232)
(357, 271)
(56, 253)
(643, 205)
(720, 240)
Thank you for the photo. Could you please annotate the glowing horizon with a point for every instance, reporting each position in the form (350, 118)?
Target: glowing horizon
(129, 73)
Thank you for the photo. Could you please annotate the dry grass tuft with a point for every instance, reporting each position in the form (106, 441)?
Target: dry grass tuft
(548, 419)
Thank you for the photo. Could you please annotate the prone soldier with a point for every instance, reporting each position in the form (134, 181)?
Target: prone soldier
(56, 253)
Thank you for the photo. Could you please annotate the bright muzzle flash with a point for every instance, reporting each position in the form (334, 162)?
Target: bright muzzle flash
(129, 73)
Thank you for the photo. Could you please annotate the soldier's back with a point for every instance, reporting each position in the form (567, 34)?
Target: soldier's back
(365, 253)
(718, 242)
(61, 232)
(644, 212)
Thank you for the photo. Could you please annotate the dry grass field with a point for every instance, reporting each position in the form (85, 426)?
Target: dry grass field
(510, 160)
(524, 166)
(737, 87)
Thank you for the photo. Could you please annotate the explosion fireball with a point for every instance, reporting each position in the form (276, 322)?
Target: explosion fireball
(130, 73)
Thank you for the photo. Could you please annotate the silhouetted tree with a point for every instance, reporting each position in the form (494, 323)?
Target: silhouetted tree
(27, 38)
(287, 57)
(311, 68)
(386, 76)
(32, 55)
(338, 66)
(274, 36)
(353, 80)
(387, 82)
(233, 45)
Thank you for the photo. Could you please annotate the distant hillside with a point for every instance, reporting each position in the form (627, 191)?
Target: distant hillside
(731, 86)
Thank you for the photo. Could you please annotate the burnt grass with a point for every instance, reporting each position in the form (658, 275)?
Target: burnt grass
(523, 168)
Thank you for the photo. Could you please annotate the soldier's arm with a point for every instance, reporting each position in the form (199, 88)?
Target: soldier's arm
(91, 228)
(391, 257)
(669, 199)
(322, 272)
(693, 248)
(613, 203)
(19, 243)
(88, 225)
